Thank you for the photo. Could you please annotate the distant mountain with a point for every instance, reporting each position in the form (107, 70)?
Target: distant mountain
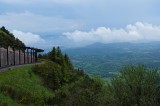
(106, 59)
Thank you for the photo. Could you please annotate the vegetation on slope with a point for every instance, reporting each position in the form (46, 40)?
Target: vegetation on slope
(51, 83)
(22, 86)
(57, 83)
(72, 87)
(106, 59)
(8, 38)
(135, 86)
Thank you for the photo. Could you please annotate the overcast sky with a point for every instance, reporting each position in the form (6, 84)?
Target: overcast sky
(69, 23)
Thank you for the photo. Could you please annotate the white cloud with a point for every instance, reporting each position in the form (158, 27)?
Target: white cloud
(28, 38)
(28, 21)
(132, 33)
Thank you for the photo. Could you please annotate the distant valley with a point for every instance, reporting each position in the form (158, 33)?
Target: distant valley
(106, 59)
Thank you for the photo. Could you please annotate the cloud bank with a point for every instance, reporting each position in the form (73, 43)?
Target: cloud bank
(131, 33)
(30, 22)
(138, 32)
(28, 38)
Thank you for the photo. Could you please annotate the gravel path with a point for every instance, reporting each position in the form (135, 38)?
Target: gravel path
(10, 67)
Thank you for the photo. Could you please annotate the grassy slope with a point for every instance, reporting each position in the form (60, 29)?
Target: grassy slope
(21, 79)
(7, 101)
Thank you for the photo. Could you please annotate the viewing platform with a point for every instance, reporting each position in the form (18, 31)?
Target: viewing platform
(12, 55)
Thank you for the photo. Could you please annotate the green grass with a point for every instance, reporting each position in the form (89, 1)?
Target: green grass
(7, 101)
(22, 80)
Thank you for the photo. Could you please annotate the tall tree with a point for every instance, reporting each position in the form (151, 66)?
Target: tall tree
(68, 62)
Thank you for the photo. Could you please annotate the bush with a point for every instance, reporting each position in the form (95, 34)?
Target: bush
(19, 96)
(50, 73)
(135, 86)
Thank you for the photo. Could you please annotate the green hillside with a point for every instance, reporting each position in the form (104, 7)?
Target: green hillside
(56, 83)
(19, 85)
(53, 83)
(7, 37)
(106, 59)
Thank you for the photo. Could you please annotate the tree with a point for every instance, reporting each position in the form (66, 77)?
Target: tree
(5, 30)
(57, 56)
(52, 54)
(135, 86)
(68, 62)
(59, 52)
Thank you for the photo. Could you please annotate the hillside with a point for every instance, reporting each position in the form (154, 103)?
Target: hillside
(106, 59)
(19, 85)
(56, 83)
(7, 37)
(53, 83)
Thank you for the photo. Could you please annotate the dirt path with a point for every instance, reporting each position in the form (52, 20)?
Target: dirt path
(7, 68)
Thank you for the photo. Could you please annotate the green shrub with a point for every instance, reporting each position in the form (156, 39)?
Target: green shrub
(135, 86)
(50, 73)
(19, 96)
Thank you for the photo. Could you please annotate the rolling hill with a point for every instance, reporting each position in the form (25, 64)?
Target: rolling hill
(106, 59)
